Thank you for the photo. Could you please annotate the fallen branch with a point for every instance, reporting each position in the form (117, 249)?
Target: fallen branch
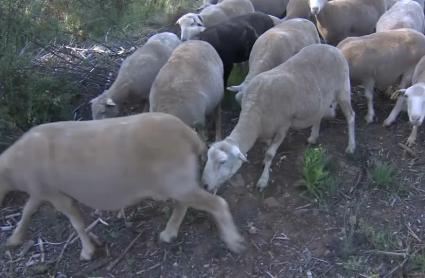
(117, 260)
(407, 149)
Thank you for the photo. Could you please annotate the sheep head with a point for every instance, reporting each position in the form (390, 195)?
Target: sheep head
(191, 25)
(103, 107)
(224, 160)
(316, 6)
(415, 98)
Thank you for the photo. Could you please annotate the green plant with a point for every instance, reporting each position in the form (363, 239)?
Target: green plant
(381, 239)
(383, 174)
(317, 178)
(417, 263)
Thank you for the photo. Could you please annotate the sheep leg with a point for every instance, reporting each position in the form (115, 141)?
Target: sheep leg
(173, 224)
(65, 205)
(145, 106)
(270, 154)
(394, 113)
(218, 207)
(3, 192)
(412, 137)
(369, 96)
(217, 122)
(315, 129)
(18, 235)
(349, 114)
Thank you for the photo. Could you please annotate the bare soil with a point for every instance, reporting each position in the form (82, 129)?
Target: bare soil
(358, 230)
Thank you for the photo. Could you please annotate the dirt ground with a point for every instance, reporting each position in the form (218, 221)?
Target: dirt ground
(358, 230)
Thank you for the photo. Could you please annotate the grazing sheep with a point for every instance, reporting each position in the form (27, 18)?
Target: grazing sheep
(337, 20)
(234, 38)
(270, 7)
(111, 164)
(276, 46)
(390, 3)
(135, 76)
(190, 85)
(296, 94)
(192, 24)
(412, 101)
(382, 59)
(404, 14)
(298, 9)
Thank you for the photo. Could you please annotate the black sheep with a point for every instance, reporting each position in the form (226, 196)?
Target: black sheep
(233, 39)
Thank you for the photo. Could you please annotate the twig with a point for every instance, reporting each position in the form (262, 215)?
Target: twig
(407, 149)
(68, 241)
(13, 215)
(88, 229)
(117, 260)
(387, 253)
(412, 233)
(149, 269)
(389, 274)
(41, 246)
(302, 207)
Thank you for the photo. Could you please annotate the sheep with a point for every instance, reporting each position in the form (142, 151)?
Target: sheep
(191, 24)
(412, 99)
(337, 20)
(382, 59)
(298, 9)
(297, 94)
(403, 14)
(111, 164)
(135, 76)
(276, 46)
(271, 7)
(390, 3)
(234, 38)
(190, 85)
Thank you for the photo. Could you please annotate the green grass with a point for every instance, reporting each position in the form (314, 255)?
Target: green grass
(317, 178)
(383, 175)
(379, 238)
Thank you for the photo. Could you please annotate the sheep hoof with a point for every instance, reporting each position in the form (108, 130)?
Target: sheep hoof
(410, 142)
(387, 122)
(369, 119)
(262, 184)
(14, 241)
(236, 245)
(87, 255)
(349, 150)
(167, 237)
(312, 140)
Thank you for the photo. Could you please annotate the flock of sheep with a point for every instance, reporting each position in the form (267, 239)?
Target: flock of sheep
(294, 81)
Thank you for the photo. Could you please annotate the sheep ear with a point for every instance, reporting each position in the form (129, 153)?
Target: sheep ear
(237, 152)
(110, 102)
(199, 20)
(222, 156)
(398, 93)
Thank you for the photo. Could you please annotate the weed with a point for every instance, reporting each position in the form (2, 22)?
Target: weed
(380, 239)
(417, 263)
(383, 175)
(317, 178)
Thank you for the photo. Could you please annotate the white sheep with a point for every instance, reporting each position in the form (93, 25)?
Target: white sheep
(111, 164)
(190, 85)
(298, 9)
(412, 100)
(277, 45)
(390, 3)
(296, 94)
(382, 59)
(339, 19)
(403, 14)
(191, 24)
(270, 7)
(135, 76)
